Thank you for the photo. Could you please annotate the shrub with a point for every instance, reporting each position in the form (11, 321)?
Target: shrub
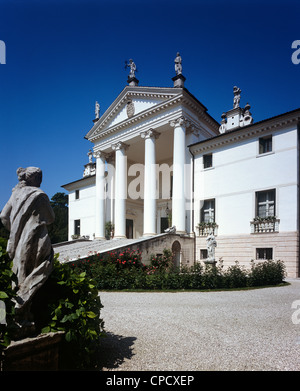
(7, 277)
(125, 270)
(267, 272)
(236, 277)
(212, 278)
(162, 262)
(73, 306)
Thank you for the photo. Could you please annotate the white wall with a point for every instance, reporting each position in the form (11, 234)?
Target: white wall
(239, 171)
(83, 209)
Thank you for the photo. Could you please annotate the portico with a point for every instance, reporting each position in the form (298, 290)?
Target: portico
(141, 180)
(147, 182)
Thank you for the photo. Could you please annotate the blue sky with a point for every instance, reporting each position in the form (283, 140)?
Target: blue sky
(62, 56)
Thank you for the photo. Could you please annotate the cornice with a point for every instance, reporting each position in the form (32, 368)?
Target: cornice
(85, 181)
(193, 104)
(128, 93)
(137, 118)
(265, 126)
(171, 96)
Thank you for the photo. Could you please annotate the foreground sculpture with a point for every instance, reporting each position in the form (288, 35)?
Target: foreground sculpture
(26, 215)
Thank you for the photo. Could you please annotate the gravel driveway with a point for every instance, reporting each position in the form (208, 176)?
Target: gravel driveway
(209, 331)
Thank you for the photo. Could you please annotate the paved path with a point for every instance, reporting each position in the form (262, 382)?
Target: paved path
(231, 330)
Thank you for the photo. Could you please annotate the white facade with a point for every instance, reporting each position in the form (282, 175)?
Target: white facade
(239, 174)
(159, 154)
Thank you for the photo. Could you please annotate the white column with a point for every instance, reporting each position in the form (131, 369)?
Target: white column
(120, 189)
(178, 193)
(100, 195)
(150, 183)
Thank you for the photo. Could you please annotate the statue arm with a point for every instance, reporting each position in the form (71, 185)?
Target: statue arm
(5, 215)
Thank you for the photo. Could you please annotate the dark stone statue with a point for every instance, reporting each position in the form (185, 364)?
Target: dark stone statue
(26, 215)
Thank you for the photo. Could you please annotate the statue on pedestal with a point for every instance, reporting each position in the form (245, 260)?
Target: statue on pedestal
(132, 67)
(97, 110)
(26, 215)
(90, 155)
(237, 97)
(178, 66)
(211, 245)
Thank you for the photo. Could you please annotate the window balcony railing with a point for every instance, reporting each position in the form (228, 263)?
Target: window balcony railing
(264, 225)
(204, 229)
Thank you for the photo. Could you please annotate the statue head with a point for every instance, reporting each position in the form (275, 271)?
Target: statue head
(30, 176)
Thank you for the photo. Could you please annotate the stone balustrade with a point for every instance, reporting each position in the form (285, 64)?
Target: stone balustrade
(264, 226)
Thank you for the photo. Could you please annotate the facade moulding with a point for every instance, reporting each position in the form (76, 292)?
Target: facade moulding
(136, 119)
(127, 134)
(134, 131)
(246, 132)
(180, 99)
(133, 92)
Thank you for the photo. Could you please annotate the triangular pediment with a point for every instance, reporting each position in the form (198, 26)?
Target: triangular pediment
(132, 101)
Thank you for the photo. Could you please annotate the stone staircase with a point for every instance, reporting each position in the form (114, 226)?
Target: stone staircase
(78, 249)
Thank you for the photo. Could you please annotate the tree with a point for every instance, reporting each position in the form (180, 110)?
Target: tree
(59, 200)
(58, 231)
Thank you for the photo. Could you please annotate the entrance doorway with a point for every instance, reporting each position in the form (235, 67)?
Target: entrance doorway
(164, 224)
(129, 229)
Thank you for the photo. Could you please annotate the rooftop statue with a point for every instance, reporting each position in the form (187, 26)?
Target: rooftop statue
(26, 215)
(90, 155)
(97, 110)
(178, 66)
(237, 97)
(132, 67)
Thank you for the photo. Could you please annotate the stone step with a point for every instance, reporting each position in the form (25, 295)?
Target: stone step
(73, 250)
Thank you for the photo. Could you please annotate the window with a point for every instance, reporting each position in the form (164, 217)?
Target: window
(265, 144)
(77, 227)
(208, 211)
(265, 203)
(264, 253)
(203, 254)
(76, 194)
(207, 160)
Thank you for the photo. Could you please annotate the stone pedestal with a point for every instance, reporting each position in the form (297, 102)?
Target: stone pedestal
(210, 263)
(179, 81)
(39, 353)
(132, 81)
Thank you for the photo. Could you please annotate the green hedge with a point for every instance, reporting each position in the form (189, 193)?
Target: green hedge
(7, 293)
(113, 272)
